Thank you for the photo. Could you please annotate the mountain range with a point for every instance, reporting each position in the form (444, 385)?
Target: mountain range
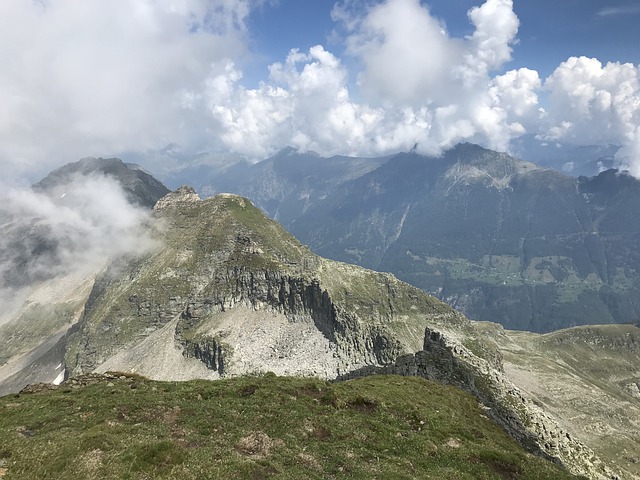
(222, 291)
(499, 238)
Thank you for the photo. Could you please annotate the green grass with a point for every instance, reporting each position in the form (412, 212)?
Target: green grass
(258, 427)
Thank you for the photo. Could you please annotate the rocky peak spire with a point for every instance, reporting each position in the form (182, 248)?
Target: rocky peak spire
(184, 194)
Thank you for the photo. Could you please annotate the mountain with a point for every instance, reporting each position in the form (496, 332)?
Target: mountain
(499, 238)
(141, 187)
(53, 239)
(575, 160)
(240, 294)
(38, 232)
(226, 292)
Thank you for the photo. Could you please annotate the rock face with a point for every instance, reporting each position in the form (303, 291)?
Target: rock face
(225, 277)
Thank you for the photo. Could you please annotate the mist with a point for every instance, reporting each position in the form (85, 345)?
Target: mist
(72, 231)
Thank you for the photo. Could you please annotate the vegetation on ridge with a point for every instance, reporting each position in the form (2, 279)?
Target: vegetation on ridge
(126, 427)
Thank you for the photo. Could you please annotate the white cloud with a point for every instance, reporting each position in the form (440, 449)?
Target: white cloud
(496, 28)
(620, 10)
(97, 78)
(406, 53)
(516, 92)
(591, 103)
(94, 77)
(628, 156)
(411, 63)
(76, 230)
(418, 85)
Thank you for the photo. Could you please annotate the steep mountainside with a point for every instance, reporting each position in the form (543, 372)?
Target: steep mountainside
(501, 239)
(238, 293)
(588, 378)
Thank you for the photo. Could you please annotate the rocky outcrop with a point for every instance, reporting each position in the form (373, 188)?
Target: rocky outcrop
(183, 195)
(300, 300)
(450, 362)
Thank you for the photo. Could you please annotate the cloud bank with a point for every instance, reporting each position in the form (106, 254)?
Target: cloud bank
(101, 78)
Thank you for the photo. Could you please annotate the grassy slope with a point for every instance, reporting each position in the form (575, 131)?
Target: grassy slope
(257, 427)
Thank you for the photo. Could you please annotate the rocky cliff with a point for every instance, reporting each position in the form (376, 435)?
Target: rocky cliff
(225, 272)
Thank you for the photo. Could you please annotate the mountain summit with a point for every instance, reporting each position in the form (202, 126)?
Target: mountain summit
(141, 187)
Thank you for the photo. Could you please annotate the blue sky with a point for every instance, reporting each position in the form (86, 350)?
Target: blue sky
(550, 30)
(369, 77)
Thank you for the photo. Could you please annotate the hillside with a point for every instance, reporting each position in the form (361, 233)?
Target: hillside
(587, 378)
(126, 427)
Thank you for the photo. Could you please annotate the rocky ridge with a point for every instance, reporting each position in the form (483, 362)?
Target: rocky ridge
(140, 187)
(222, 254)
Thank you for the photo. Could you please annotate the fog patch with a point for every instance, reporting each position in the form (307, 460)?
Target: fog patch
(71, 232)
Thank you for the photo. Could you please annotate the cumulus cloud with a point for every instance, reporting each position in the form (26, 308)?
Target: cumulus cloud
(593, 103)
(406, 53)
(417, 85)
(101, 78)
(628, 156)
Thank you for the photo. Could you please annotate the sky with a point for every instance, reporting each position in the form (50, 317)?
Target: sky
(349, 77)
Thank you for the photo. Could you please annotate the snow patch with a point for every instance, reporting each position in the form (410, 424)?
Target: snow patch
(59, 379)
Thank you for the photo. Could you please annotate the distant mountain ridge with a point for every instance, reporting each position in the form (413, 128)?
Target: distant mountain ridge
(140, 186)
(501, 239)
(28, 241)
